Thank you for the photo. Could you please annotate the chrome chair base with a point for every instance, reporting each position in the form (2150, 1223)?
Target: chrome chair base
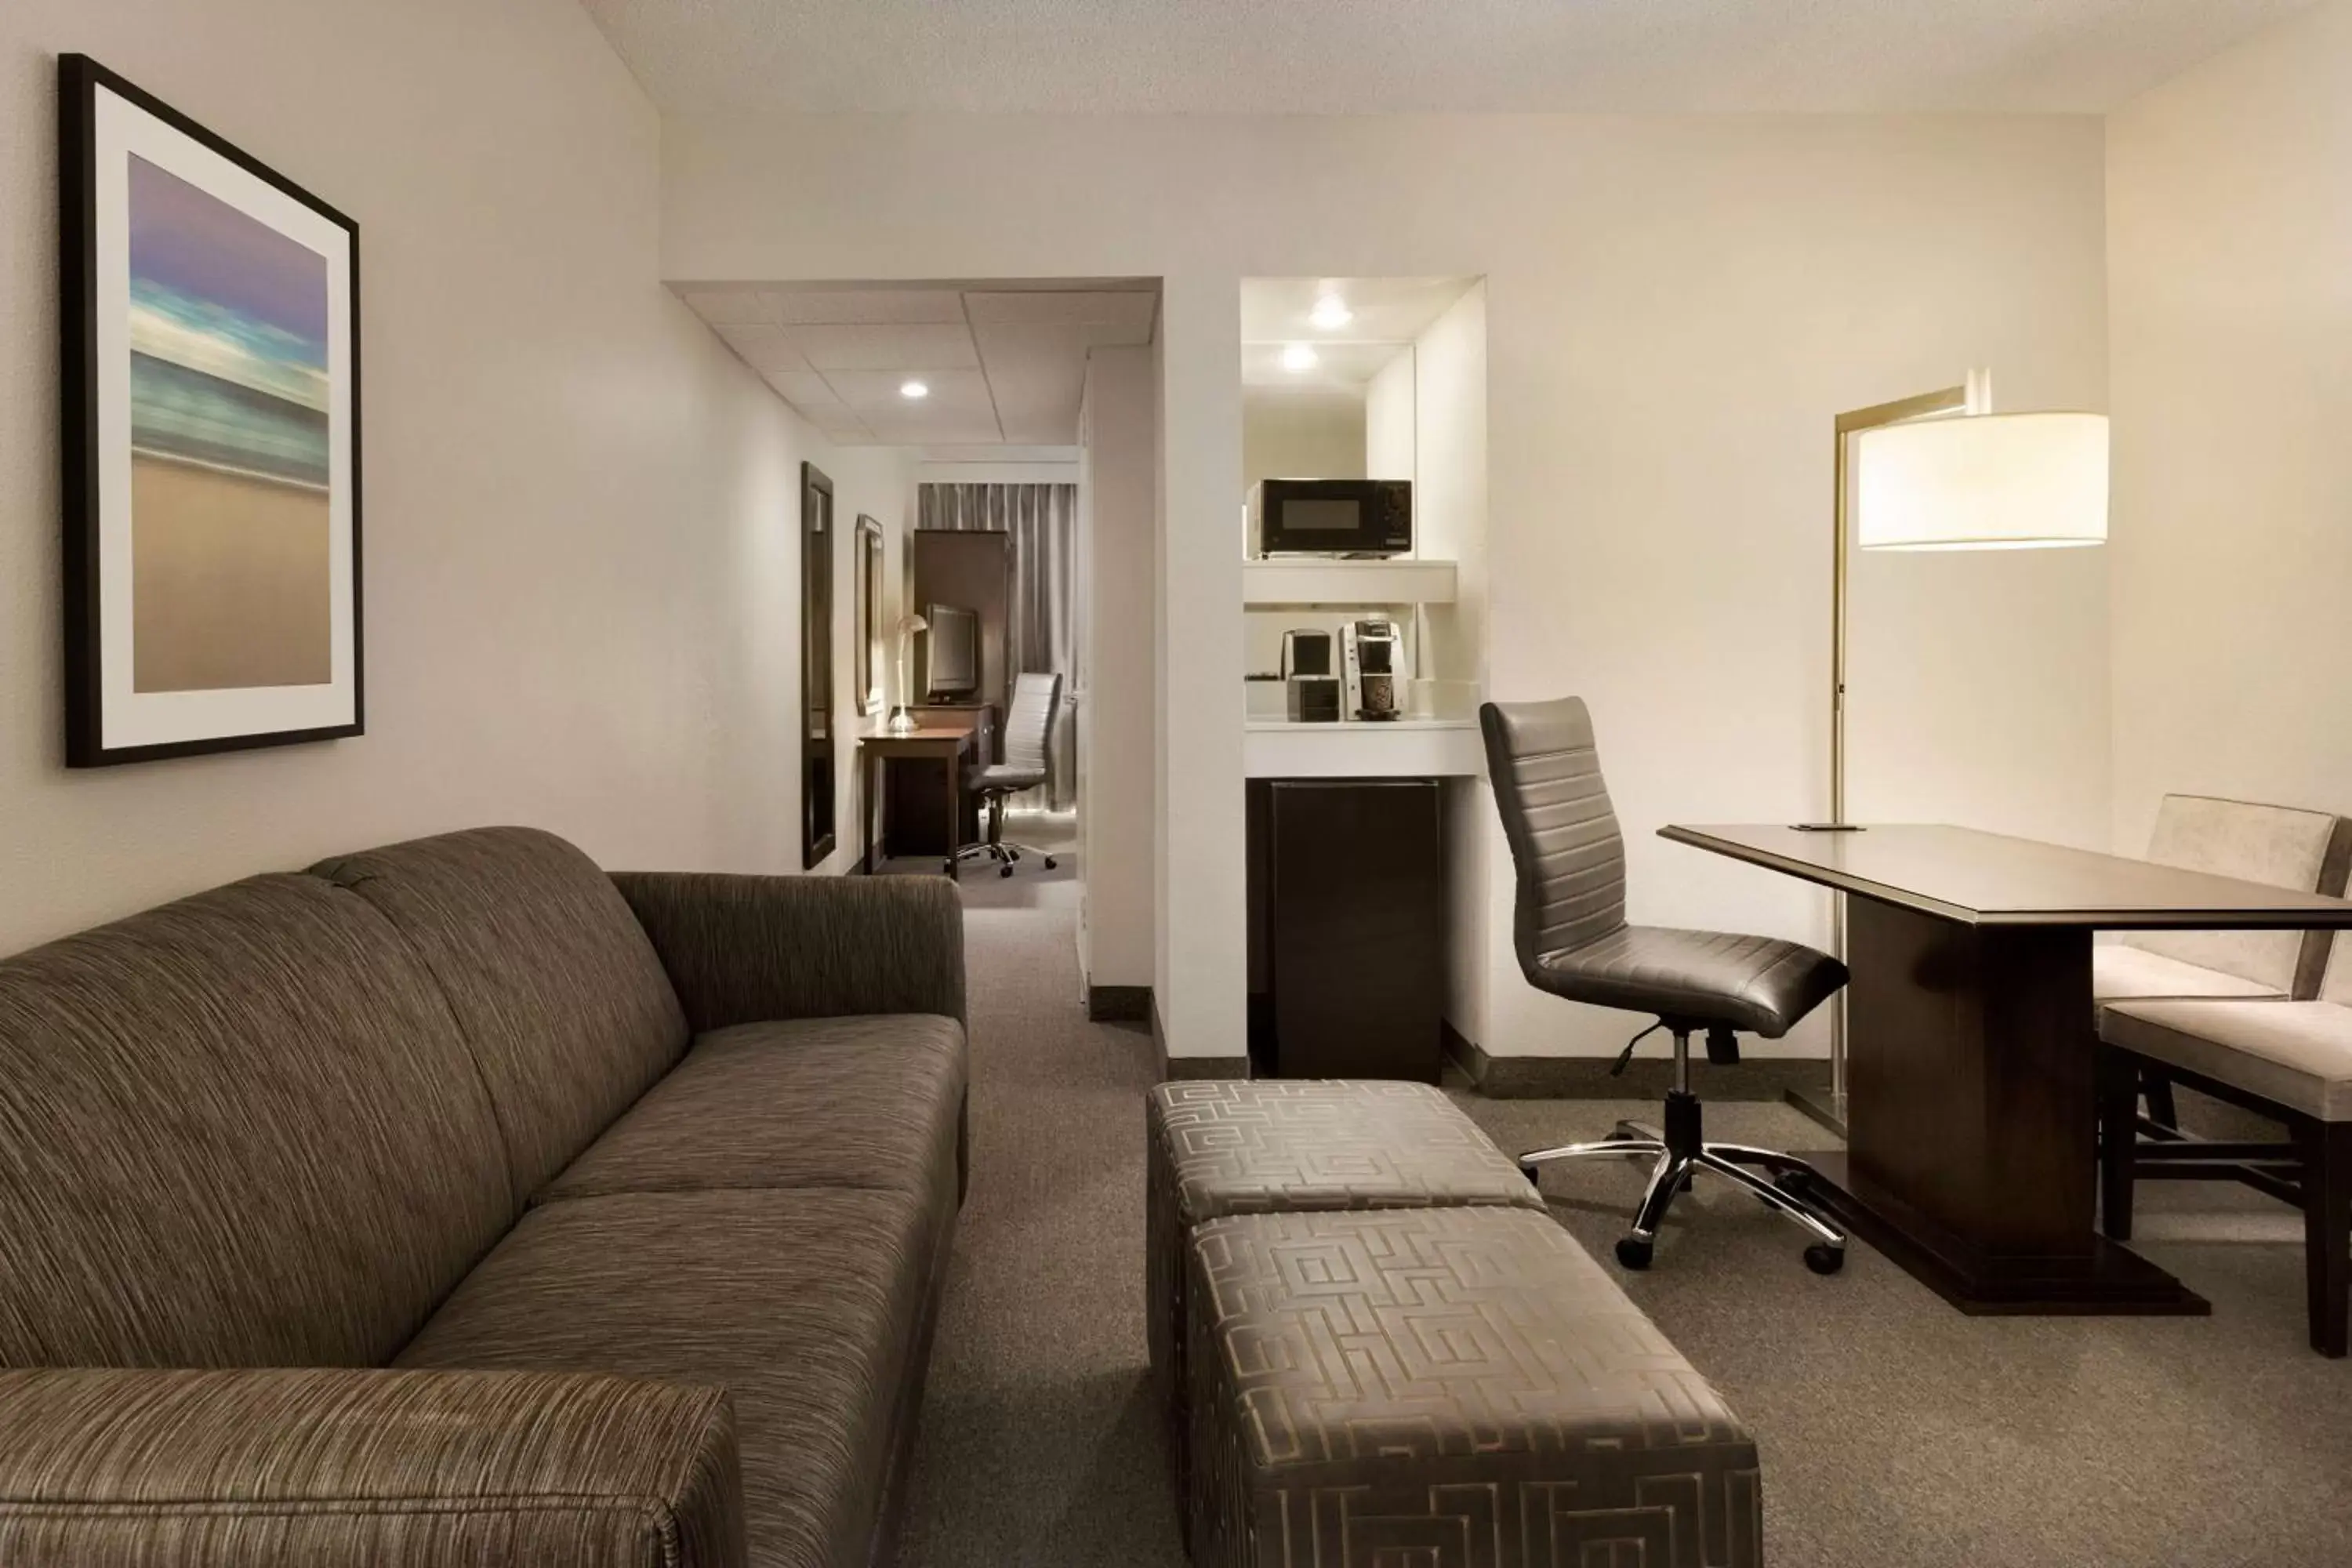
(1679, 1154)
(1004, 852)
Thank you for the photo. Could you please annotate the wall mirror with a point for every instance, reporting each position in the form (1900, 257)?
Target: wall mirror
(816, 667)
(870, 615)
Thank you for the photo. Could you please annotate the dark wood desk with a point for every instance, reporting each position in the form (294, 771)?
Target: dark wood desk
(949, 742)
(1970, 1121)
(914, 809)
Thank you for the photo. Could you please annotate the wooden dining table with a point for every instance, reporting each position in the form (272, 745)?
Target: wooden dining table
(1971, 1134)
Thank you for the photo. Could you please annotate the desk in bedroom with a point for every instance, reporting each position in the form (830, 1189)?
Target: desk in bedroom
(943, 738)
(1970, 1122)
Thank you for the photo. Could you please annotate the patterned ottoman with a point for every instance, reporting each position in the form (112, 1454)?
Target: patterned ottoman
(1228, 1146)
(1451, 1388)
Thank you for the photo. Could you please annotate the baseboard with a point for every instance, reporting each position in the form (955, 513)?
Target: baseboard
(1174, 1067)
(1646, 1078)
(1120, 1004)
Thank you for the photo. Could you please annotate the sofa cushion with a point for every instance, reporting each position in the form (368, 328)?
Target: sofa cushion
(843, 1102)
(804, 1304)
(551, 978)
(239, 1129)
(2121, 973)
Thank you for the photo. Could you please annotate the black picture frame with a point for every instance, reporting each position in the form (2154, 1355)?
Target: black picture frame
(817, 814)
(81, 81)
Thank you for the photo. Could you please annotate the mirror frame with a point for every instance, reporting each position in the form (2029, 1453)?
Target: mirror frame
(870, 615)
(817, 774)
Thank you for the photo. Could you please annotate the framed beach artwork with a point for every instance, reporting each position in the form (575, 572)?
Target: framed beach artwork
(211, 448)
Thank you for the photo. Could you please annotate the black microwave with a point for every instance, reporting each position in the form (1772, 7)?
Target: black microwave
(1331, 517)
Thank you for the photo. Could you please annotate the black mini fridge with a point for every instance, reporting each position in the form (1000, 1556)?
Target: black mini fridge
(1346, 929)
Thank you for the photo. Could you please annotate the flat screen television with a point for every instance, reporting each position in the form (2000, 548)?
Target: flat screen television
(953, 670)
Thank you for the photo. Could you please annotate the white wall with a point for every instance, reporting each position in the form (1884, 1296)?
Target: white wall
(1677, 308)
(1116, 767)
(580, 510)
(1295, 433)
(2230, 243)
(1389, 417)
(1449, 445)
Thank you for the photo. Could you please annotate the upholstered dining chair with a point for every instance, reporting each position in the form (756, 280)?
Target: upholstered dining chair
(2290, 1061)
(2283, 846)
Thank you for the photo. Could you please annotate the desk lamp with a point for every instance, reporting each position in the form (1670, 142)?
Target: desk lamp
(902, 718)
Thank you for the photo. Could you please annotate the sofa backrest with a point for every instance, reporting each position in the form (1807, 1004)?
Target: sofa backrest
(239, 1129)
(553, 983)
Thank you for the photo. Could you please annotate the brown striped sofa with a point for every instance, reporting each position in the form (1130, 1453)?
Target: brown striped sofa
(458, 1203)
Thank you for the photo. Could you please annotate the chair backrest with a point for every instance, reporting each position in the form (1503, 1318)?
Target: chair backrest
(1029, 728)
(2338, 987)
(2282, 846)
(1565, 845)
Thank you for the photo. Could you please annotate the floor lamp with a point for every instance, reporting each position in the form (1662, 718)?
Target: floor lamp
(1943, 471)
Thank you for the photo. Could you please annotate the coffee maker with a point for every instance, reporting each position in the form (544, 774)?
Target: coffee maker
(1374, 654)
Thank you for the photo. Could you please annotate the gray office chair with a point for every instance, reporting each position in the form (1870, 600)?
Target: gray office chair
(1568, 929)
(1028, 752)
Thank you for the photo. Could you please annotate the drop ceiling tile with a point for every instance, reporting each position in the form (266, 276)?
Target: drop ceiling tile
(1132, 309)
(895, 347)
(873, 392)
(1038, 373)
(726, 307)
(864, 306)
(806, 391)
(764, 349)
(932, 428)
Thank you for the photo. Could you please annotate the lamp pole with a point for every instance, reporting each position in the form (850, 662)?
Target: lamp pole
(1975, 397)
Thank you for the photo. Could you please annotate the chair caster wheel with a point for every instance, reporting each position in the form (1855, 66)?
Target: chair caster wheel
(1049, 862)
(1004, 870)
(1796, 1183)
(1633, 1252)
(948, 869)
(1822, 1258)
(1529, 1172)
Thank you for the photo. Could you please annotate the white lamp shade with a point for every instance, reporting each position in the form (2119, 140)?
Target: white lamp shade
(1987, 481)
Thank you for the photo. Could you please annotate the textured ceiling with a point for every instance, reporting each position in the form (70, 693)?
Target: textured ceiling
(999, 364)
(1370, 57)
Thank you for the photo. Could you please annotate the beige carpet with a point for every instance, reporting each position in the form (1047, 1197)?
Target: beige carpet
(1895, 1432)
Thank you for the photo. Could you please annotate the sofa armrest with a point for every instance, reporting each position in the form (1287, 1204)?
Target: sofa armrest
(740, 950)
(340, 1468)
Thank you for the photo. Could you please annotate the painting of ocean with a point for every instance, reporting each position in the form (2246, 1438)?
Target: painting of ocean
(229, 445)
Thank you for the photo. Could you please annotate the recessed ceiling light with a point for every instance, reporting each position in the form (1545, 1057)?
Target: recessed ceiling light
(1331, 313)
(1298, 357)
(913, 389)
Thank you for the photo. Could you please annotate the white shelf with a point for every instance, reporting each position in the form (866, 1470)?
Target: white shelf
(1402, 748)
(1347, 582)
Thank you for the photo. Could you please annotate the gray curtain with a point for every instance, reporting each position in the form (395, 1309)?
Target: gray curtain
(1044, 523)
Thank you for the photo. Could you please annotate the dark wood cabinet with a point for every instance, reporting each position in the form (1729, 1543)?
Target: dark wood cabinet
(1346, 900)
(971, 570)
